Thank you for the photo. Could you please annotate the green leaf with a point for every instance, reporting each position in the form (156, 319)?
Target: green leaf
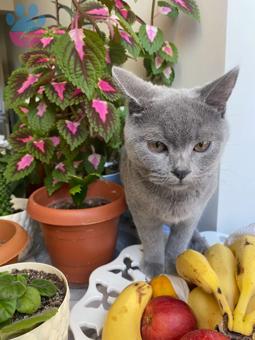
(41, 149)
(151, 38)
(22, 278)
(189, 7)
(52, 184)
(108, 3)
(79, 187)
(25, 325)
(14, 172)
(117, 52)
(128, 28)
(74, 133)
(174, 10)
(80, 73)
(45, 287)
(15, 83)
(102, 124)
(41, 123)
(169, 52)
(29, 302)
(7, 309)
(10, 288)
(168, 77)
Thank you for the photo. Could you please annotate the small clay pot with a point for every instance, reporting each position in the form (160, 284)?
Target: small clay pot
(13, 240)
(79, 240)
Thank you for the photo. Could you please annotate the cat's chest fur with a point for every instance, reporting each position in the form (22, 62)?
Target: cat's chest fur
(169, 205)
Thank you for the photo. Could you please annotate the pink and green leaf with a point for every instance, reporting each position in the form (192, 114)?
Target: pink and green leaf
(166, 9)
(151, 38)
(41, 118)
(52, 184)
(21, 85)
(19, 166)
(169, 52)
(19, 139)
(168, 75)
(102, 118)
(77, 36)
(41, 149)
(189, 7)
(108, 89)
(36, 58)
(73, 132)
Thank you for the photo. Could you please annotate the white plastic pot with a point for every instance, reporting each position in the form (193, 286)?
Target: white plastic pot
(56, 328)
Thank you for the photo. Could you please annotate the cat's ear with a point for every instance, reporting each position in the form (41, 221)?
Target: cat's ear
(217, 93)
(136, 89)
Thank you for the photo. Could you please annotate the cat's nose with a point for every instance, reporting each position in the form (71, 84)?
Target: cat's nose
(181, 174)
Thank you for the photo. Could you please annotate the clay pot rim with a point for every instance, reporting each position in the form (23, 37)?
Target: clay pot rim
(78, 217)
(15, 245)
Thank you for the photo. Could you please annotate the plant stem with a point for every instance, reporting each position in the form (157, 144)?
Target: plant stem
(57, 12)
(153, 11)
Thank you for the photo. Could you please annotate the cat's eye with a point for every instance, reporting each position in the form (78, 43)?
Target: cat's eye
(202, 146)
(157, 147)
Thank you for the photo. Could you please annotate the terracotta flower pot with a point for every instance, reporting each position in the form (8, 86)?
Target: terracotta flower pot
(13, 240)
(79, 240)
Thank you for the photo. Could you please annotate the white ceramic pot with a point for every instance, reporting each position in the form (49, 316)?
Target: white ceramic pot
(26, 222)
(56, 328)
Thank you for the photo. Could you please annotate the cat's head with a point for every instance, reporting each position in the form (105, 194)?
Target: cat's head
(175, 136)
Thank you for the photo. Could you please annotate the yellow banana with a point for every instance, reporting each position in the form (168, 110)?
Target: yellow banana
(244, 251)
(205, 308)
(223, 262)
(194, 267)
(124, 317)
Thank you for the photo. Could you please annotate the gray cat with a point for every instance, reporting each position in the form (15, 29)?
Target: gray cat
(173, 144)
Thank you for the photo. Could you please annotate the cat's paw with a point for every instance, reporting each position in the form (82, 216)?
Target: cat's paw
(170, 267)
(199, 243)
(151, 269)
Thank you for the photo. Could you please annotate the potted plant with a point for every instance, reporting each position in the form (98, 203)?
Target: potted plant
(34, 300)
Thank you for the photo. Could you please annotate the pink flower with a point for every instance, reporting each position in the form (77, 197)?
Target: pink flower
(46, 41)
(77, 36)
(105, 86)
(41, 108)
(151, 32)
(60, 89)
(25, 162)
(31, 79)
(94, 159)
(126, 37)
(60, 167)
(40, 145)
(55, 140)
(101, 108)
(72, 127)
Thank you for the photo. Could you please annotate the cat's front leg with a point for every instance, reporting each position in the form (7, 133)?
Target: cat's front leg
(178, 241)
(152, 238)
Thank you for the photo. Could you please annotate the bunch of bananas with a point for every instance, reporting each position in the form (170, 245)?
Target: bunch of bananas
(225, 280)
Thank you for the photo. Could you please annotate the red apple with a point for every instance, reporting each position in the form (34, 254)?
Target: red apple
(167, 318)
(204, 334)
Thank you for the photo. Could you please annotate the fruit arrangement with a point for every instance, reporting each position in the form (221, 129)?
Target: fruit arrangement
(212, 298)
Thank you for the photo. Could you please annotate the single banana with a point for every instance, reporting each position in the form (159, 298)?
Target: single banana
(194, 267)
(244, 251)
(223, 262)
(123, 320)
(205, 308)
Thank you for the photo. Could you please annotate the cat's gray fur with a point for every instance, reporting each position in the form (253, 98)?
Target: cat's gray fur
(180, 119)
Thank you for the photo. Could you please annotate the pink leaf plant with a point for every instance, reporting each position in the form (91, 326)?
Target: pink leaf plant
(24, 162)
(31, 79)
(101, 107)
